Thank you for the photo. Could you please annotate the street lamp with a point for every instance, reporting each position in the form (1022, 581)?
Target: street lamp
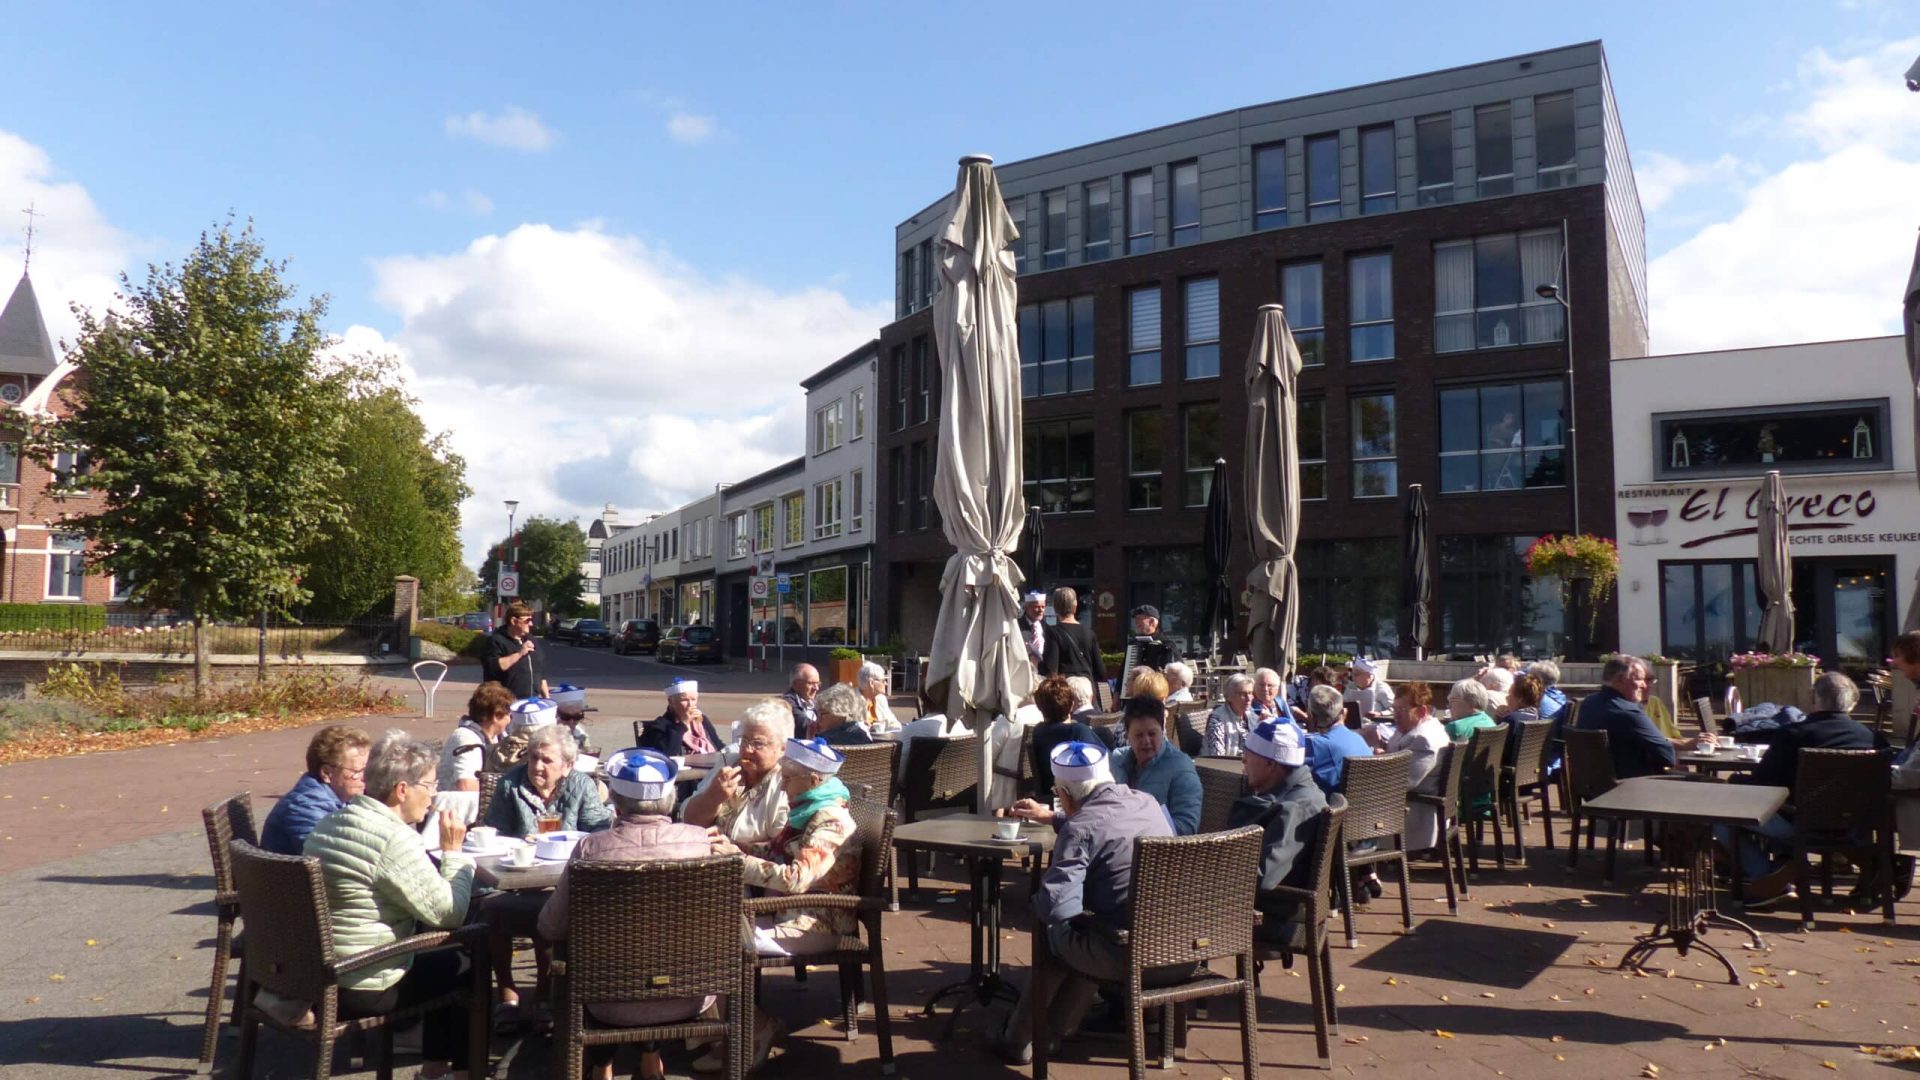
(1551, 291)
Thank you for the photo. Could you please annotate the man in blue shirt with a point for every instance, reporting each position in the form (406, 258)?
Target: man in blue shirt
(1638, 748)
(336, 773)
(1330, 742)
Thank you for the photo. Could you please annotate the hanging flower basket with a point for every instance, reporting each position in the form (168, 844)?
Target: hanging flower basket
(1569, 557)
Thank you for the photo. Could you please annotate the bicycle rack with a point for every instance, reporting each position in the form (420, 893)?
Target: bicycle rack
(424, 688)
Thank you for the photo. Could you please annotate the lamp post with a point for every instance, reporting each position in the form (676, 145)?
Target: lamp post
(509, 554)
(1551, 291)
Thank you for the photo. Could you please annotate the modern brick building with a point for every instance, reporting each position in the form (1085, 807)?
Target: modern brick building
(1406, 226)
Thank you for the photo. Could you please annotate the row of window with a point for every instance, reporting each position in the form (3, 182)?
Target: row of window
(1484, 297)
(838, 506)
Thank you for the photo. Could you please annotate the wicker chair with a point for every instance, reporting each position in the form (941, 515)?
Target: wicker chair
(1313, 900)
(640, 931)
(874, 765)
(1189, 729)
(1182, 912)
(941, 775)
(489, 783)
(1703, 712)
(1838, 795)
(1376, 792)
(292, 955)
(1446, 808)
(1589, 770)
(1480, 792)
(873, 833)
(1525, 775)
(228, 820)
(1219, 790)
(1022, 772)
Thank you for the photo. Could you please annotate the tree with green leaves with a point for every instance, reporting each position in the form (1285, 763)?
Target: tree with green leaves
(401, 490)
(551, 552)
(213, 430)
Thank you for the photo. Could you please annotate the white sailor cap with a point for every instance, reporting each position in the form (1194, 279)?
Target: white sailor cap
(682, 687)
(535, 712)
(1277, 742)
(1366, 665)
(569, 694)
(815, 754)
(1073, 761)
(640, 774)
(1035, 596)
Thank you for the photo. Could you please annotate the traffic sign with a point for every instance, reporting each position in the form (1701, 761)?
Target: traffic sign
(785, 583)
(758, 587)
(509, 585)
(763, 565)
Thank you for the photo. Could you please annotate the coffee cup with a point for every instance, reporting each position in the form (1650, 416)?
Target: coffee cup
(1006, 829)
(521, 854)
(482, 836)
(1753, 752)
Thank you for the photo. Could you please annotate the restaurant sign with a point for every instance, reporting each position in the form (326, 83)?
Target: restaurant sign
(1828, 514)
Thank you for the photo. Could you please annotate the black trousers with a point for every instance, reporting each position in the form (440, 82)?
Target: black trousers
(443, 1031)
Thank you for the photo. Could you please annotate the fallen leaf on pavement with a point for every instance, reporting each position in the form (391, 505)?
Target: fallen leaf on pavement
(1442, 1033)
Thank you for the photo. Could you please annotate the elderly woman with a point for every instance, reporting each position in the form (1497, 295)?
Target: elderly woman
(743, 798)
(1498, 682)
(1146, 763)
(873, 690)
(1417, 732)
(642, 786)
(1179, 682)
(469, 750)
(336, 772)
(1229, 722)
(1366, 687)
(839, 717)
(1266, 695)
(1055, 699)
(683, 729)
(381, 887)
(1467, 709)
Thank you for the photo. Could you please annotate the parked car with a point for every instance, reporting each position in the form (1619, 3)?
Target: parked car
(562, 630)
(477, 620)
(695, 644)
(637, 635)
(789, 631)
(591, 632)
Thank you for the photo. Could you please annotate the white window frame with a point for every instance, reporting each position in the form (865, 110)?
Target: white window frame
(764, 514)
(1354, 322)
(790, 536)
(856, 500)
(829, 427)
(66, 557)
(1531, 307)
(859, 415)
(1187, 329)
(1140, 340)
(827, 522)
(1353, 443)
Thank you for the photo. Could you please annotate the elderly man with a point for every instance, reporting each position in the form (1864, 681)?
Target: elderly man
(683, 729)
(1637, 746)
(1285, 801)
(1366, 687)
(1033, 630)
(1084, 895)
(802, 688)
(1267, 703)
(1149, 649)
(1179, 682)
(743, 798)
(1229, 722)
(336, 772)
(840, 713)
(507, 657)
(1329, 741)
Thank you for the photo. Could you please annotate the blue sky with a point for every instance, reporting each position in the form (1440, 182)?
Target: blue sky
(519, 203)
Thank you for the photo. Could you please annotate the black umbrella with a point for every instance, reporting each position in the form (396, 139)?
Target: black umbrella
(1416, 576)
(1027, 555)
(1217, 545)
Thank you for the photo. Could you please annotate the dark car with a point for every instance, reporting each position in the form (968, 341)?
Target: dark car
(690, 644)
(637, 636)
(477, 620)
(591, 632)
(562, 630)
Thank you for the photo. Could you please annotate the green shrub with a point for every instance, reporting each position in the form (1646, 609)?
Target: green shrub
(845, 654)
(1314, 660)
(1114, 661)
(462, 642)
(22, 617)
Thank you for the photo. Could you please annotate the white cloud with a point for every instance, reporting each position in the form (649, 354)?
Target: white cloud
(690, 128)
(1662, 176)
(577, 367)
(1818, 249)
(512, 128)
(468, 201)
(77, 253)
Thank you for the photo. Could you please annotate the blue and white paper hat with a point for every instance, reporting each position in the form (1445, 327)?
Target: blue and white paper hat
(1075, 761)
(640, 774)
(1035, 596)
(815, 754)
(1366, 665)
(1278, 742)
(534, 712)
(679, 687)
(569, 694)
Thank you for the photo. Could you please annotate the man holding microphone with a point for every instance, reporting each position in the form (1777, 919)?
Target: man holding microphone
(508, 657)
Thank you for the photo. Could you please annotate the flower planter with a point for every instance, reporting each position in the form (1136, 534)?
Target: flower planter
(1779, 685)
(843, 671)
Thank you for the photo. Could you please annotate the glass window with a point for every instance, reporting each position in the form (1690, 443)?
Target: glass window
(1323, 178)
(1493, 149)
(66, 566)
(1270, 186)
(1017, 210)
(1203, 328)
(1306, 314)
(1836, 436)
(1146, 451)
(897, 474)
(828, 613)
(1056, 347)
(857, 500)
(923, 376)
(909, 278)
(1377, 180)
(9, 463)
(737, 538)
(794, 508)
(826, 509)
(902, 386)
(1350, 594)
(1504, 437)
(1186, 202)
(1433, 158)
(1139, 213)
(1490, 604)
(1203, 446)
(762, 528)
(917, 486)
(1143, 336)
(1054, 254)
(1059, 465)
(927, 274)
(1553, 140)
(1173, 580)
(1375, 474)
(1312, 440)
(1098, 231)
(1483, 291)
(828, 428)
(859, 413)
(1708, 610)
(1370, 306)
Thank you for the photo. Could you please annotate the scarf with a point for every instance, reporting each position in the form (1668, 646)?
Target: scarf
(801, 810)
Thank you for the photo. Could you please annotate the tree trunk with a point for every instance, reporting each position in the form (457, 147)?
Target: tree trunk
(202, 661)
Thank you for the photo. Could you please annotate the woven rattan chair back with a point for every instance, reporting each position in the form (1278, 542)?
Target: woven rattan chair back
(1836, 790)
(1529, 752)
(290, 953)
(1480, 769)
(1703, 712)
(941, 774)
(1589, 764)
(1189, 729)
(1219, 790)
(228, 820)
(873, 834)
(639, 931)
(1193, 897)
(489, 784)
(1376, 791)
(872, 765)
(1328, 837)
(1449, 765)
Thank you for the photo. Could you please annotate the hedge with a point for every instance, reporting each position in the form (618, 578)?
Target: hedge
(15, 618)
(462, 642)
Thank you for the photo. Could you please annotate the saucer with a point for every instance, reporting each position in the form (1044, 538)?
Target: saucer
(500, 846)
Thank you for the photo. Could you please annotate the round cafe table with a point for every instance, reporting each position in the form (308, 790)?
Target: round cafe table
(1718, 764)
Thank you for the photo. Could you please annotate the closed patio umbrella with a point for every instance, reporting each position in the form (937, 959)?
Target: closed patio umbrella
(1217, 546)
(1031, 551)
(1775, 578)
(979, 667)
(1272, 484)
(1416, 575)
(1910, 322)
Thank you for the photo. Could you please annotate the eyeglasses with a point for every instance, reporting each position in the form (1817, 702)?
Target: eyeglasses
(432, 783)
(350, 774)
(760, 744)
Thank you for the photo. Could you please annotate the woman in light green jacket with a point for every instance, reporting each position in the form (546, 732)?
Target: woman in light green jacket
(382, 887)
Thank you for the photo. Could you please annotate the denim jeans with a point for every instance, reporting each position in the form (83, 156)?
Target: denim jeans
(1749, 845)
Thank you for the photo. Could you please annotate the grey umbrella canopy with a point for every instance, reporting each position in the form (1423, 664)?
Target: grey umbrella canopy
(1031, 551)
(1416, 575)
(1775, 577)
(1216, 545)
(1272, 492)
(979, 667)
(1911, 322)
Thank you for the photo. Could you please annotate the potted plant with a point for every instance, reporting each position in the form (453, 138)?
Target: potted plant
(843, 666)
(1780, 678)
(1575, 557)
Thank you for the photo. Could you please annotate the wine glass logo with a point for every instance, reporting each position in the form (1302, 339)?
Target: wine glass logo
(1639, 520)
(1657, 517)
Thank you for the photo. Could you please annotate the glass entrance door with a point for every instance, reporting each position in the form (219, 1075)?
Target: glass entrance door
(1844, 610)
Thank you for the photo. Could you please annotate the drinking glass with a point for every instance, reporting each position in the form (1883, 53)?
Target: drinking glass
(547, 823)
(1656, 517)
(1638, 519)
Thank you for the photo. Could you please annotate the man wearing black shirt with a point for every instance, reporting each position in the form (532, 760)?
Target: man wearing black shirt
(1148, 647)
(508, 656)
